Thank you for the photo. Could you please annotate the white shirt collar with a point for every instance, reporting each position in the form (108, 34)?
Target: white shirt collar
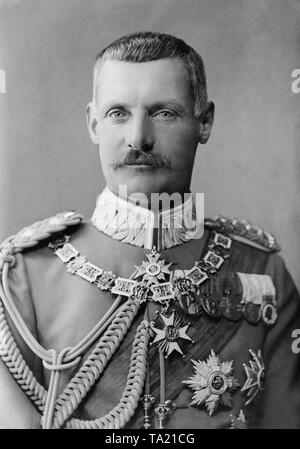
(136, 225)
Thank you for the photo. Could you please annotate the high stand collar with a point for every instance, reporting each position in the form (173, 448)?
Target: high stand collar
(130, 223)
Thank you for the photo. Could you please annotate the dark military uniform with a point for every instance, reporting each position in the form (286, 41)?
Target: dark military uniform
(60, 309)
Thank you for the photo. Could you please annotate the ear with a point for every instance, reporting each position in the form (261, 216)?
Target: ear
(206, 120)
(92, 122)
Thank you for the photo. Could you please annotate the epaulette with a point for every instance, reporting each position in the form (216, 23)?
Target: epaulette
(244, 231)
(31, 235)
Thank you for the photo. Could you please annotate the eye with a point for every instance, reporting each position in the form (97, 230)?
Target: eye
(165, 114)
(117, 114)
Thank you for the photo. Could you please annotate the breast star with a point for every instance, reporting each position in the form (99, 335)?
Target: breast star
(212, 383)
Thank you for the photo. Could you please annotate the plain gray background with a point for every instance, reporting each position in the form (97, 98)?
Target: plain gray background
(250, 167)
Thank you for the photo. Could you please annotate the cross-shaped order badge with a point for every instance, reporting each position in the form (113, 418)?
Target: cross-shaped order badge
(169, 332)
(153, 273)
(154, 270)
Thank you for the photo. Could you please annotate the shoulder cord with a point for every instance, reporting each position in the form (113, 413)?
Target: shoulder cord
(240, 229)
(53, 361)
(9, 351)
(17, 366)
(31, 235)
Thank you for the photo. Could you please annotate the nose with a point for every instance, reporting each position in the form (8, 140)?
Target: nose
(140, 133)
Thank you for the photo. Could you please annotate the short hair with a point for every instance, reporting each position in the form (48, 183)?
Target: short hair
(149, 46)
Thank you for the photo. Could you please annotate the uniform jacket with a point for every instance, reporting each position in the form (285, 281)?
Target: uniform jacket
(60, 309)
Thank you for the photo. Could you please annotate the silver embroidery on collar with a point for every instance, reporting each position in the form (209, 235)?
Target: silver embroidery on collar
(136, 225)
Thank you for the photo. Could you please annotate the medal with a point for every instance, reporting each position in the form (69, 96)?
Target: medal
(256, 376)
(252, 312)
(259, 298)
(269, 311)
(168, 332)
(230, 310)
(211, 306)
(212, 383)
(269, 314)
(190, 303)
(211, 297)
(185, 295)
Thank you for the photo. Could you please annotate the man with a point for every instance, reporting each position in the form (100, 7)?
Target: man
(96, 316)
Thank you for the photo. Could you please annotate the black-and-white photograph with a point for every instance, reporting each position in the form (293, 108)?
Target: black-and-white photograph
(150, 218)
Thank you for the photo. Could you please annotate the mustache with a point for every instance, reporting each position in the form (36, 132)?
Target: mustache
(141, 157)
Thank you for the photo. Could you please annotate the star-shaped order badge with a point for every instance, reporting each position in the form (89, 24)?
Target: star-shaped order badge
(212, 383)
(169, 333)
(256, 376)
(154, 270)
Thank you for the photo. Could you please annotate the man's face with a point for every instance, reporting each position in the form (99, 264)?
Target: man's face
(145, 126)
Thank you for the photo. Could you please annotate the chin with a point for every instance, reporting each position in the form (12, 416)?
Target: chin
(146, 185)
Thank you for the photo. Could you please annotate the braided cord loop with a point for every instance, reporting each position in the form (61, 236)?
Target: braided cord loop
(95, 364)
(121, 414)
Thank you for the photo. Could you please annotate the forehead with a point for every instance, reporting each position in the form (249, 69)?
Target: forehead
(146, 81)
